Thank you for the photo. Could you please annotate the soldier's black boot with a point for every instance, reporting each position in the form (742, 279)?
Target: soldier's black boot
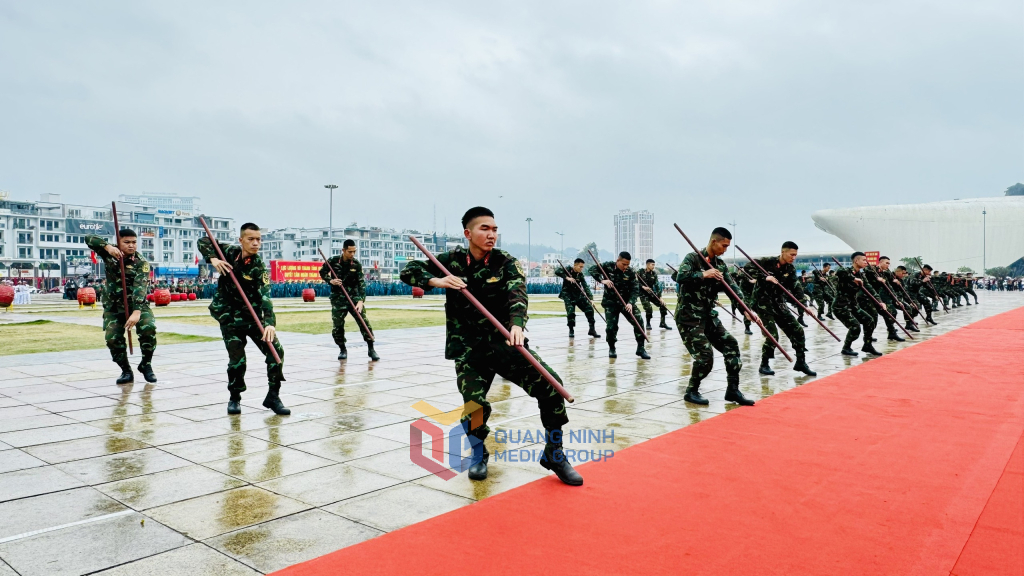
(572, 333)
(273, 401)
(127, 376)
(830, 316)
(733, 394)
(746, 327)
(930, 321)
(641, 351)
(800, 319)
(893, 336)
(663, 324)
(554, 459)
(371, 352)
(847, 351)
(478, 471)
(343, 354)
(911, 327)
(765, 368)
(820, 317)
(611, 350)
(801, 366)
(235, 403)
(649, 322)
(693, 395)
(869, 349)
(146, 368)
(593, 332)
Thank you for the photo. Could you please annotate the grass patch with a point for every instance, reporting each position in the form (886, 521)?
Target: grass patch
(45, 336)
(319, 321)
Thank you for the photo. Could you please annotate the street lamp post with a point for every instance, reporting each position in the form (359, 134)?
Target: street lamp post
(528, 246)
(561, 247)
(984, 250)
(733, 224)
(330, 219)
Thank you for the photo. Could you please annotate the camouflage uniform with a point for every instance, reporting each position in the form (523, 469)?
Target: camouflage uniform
(875, 276)
(646, 300)
(136, 271)
(969, 288)
(849, 307)
(698, 322)
(770, 304)
(625, 281)
(572, 296)
(823, 293)
(478, 349)
(235, 321)
(351, 275)
(920, 292)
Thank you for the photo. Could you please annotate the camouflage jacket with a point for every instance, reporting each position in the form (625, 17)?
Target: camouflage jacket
(917, 287)
(768, 295)
(651, 278)
(136, 277)
(569, 291)
(227, 306)
(697, 295)
(848, 293)
(351, 275)
(822, 283)
(625, 281)
(497, 281)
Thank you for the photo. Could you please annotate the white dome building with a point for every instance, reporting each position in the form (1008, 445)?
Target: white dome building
(947, 235)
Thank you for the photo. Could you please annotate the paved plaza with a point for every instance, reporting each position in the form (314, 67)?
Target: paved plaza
(157, 479)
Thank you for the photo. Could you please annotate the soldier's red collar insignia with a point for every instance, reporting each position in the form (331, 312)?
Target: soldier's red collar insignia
(469, 259)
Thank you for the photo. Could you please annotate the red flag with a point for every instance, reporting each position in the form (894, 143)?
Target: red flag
(92, 256)
(197, 259)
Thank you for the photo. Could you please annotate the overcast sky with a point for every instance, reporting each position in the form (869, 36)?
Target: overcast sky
(703, 112)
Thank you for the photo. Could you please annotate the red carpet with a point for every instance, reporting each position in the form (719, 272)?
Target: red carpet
(899, 466)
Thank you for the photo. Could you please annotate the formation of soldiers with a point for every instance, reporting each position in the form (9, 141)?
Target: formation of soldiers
(764, 291)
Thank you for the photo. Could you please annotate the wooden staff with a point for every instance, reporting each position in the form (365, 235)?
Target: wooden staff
(894, 298)
(494, 321)
(582, 291)
(124, 285)
(661, 303)
(877, 303)
(355, 312)
(231, 273)
(788, 293)
(621, 299)
(932, 286)
(735, 298)
(717, 303)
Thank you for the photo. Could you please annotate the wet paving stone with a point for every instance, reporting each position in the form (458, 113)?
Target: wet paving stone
(257, 492)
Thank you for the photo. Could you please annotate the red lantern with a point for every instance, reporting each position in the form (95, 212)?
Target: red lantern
(6, 296)
(417, 292)
(149, 297)
(175, 297)
(162, 297)
(86, 296)
(192, 296)
(308, 295)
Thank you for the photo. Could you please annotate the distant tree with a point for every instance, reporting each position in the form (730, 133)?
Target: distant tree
(1015, 190)
(964, 270)
(911, 264)
(999, 271)
(592, 246)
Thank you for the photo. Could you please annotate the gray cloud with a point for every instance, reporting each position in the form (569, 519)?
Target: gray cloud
(762, 111)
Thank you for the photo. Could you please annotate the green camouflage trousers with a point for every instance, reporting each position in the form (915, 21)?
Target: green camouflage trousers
(853, 318)
(612, 310)
(648, 303)
(777, 317)
(234, 340)
(822, 300)
(339, 311)
(570, 309)
(699, 340)
(113, 328)
(476, 370)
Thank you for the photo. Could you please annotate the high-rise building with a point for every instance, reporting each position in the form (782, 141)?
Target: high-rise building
(634, 233)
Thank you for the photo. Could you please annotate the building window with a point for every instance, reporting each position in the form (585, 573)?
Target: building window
(21, 224)
(100, 215)
(74, 213)
(50, 237)
(49, 253)
(186, 245)
(24, 252)
(147, 243)
(49, 225)
(148, 256)
(24, 237)
(168, 244)
(74, 252)
(74, 239)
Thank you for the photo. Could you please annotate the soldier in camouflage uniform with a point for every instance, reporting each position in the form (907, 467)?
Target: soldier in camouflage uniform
(849, 305)
(576, 296)
(699, 279)
(236, 322)
(624, 279)
(480, 352)
(918, 286)
(650, 291)
(880, 278)
(910, 306)
(741, 279)
(136, 278)
(824, 293)
(350, 275)
(969, 287)
(770, 303)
